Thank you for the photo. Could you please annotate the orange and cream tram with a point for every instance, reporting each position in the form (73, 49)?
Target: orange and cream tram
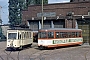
(56, 37)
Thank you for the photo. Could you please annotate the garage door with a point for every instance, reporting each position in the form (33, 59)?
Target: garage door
(58, 24)
(47, 24)
(34, 26)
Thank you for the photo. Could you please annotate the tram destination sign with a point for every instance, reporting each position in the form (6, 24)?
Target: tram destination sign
(46, 14)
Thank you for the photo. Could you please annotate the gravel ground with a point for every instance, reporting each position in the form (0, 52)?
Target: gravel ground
(64, 53)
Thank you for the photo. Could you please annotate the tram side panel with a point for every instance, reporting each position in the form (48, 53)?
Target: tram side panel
(28, 39)
(60, 42)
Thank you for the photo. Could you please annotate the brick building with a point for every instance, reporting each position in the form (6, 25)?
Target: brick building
(60, 15)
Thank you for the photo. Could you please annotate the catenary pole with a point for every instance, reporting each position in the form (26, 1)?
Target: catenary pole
(42, 13)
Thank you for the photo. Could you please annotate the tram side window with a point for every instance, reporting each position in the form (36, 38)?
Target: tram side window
(18, 35)
(42, 35)
(61, 34)
(30, 34)
(73, 34)
(22, 35)
(69, 34)
(27, 35)
(50, 34)
(77, 34)
(64, 35)
(57, 35)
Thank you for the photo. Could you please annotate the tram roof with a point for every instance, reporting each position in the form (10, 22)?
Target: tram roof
(19, 29)
(60, 29)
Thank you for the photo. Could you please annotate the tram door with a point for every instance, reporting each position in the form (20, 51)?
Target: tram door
(85, 32)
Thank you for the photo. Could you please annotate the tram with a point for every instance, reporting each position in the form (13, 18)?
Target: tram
(56, 37)
(18, 38)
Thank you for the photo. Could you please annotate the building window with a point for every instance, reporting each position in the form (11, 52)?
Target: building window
(70, 13)
(89, 13)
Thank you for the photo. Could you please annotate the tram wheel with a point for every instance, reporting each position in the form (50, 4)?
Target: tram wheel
(41, 47)
(21, 48)
(80, 44)
(30, 45)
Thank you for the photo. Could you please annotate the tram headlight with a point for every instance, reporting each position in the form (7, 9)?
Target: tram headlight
(8, 40)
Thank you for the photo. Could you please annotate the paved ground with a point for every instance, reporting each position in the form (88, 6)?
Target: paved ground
(65, 53)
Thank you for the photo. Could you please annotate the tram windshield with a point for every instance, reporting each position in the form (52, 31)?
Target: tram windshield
(12, 35)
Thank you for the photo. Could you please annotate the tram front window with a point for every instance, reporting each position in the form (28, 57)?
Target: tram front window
(42, 35)
(12, 35)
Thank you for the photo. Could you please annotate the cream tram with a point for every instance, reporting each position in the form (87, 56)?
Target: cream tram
(56, 37)
(18, 38)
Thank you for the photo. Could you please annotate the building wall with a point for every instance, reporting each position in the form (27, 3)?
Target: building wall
(61, 10)
(65, 15)
(4, 29)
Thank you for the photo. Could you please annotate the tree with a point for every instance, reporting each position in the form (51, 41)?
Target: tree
(13, 12)
(16, 7)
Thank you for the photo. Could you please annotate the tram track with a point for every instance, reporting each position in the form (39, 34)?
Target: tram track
(38, 55)
(46, 53)
(35, 53)
(8, 55)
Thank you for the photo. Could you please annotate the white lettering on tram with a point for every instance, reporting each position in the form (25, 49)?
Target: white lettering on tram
(67, 41)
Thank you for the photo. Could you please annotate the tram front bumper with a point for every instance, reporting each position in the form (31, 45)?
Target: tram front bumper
(11, 48)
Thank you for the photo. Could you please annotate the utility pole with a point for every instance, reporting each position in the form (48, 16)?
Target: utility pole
(42, 13)
(0, 23)
(0, 16)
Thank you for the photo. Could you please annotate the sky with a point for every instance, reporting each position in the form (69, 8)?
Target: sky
(4, 10)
